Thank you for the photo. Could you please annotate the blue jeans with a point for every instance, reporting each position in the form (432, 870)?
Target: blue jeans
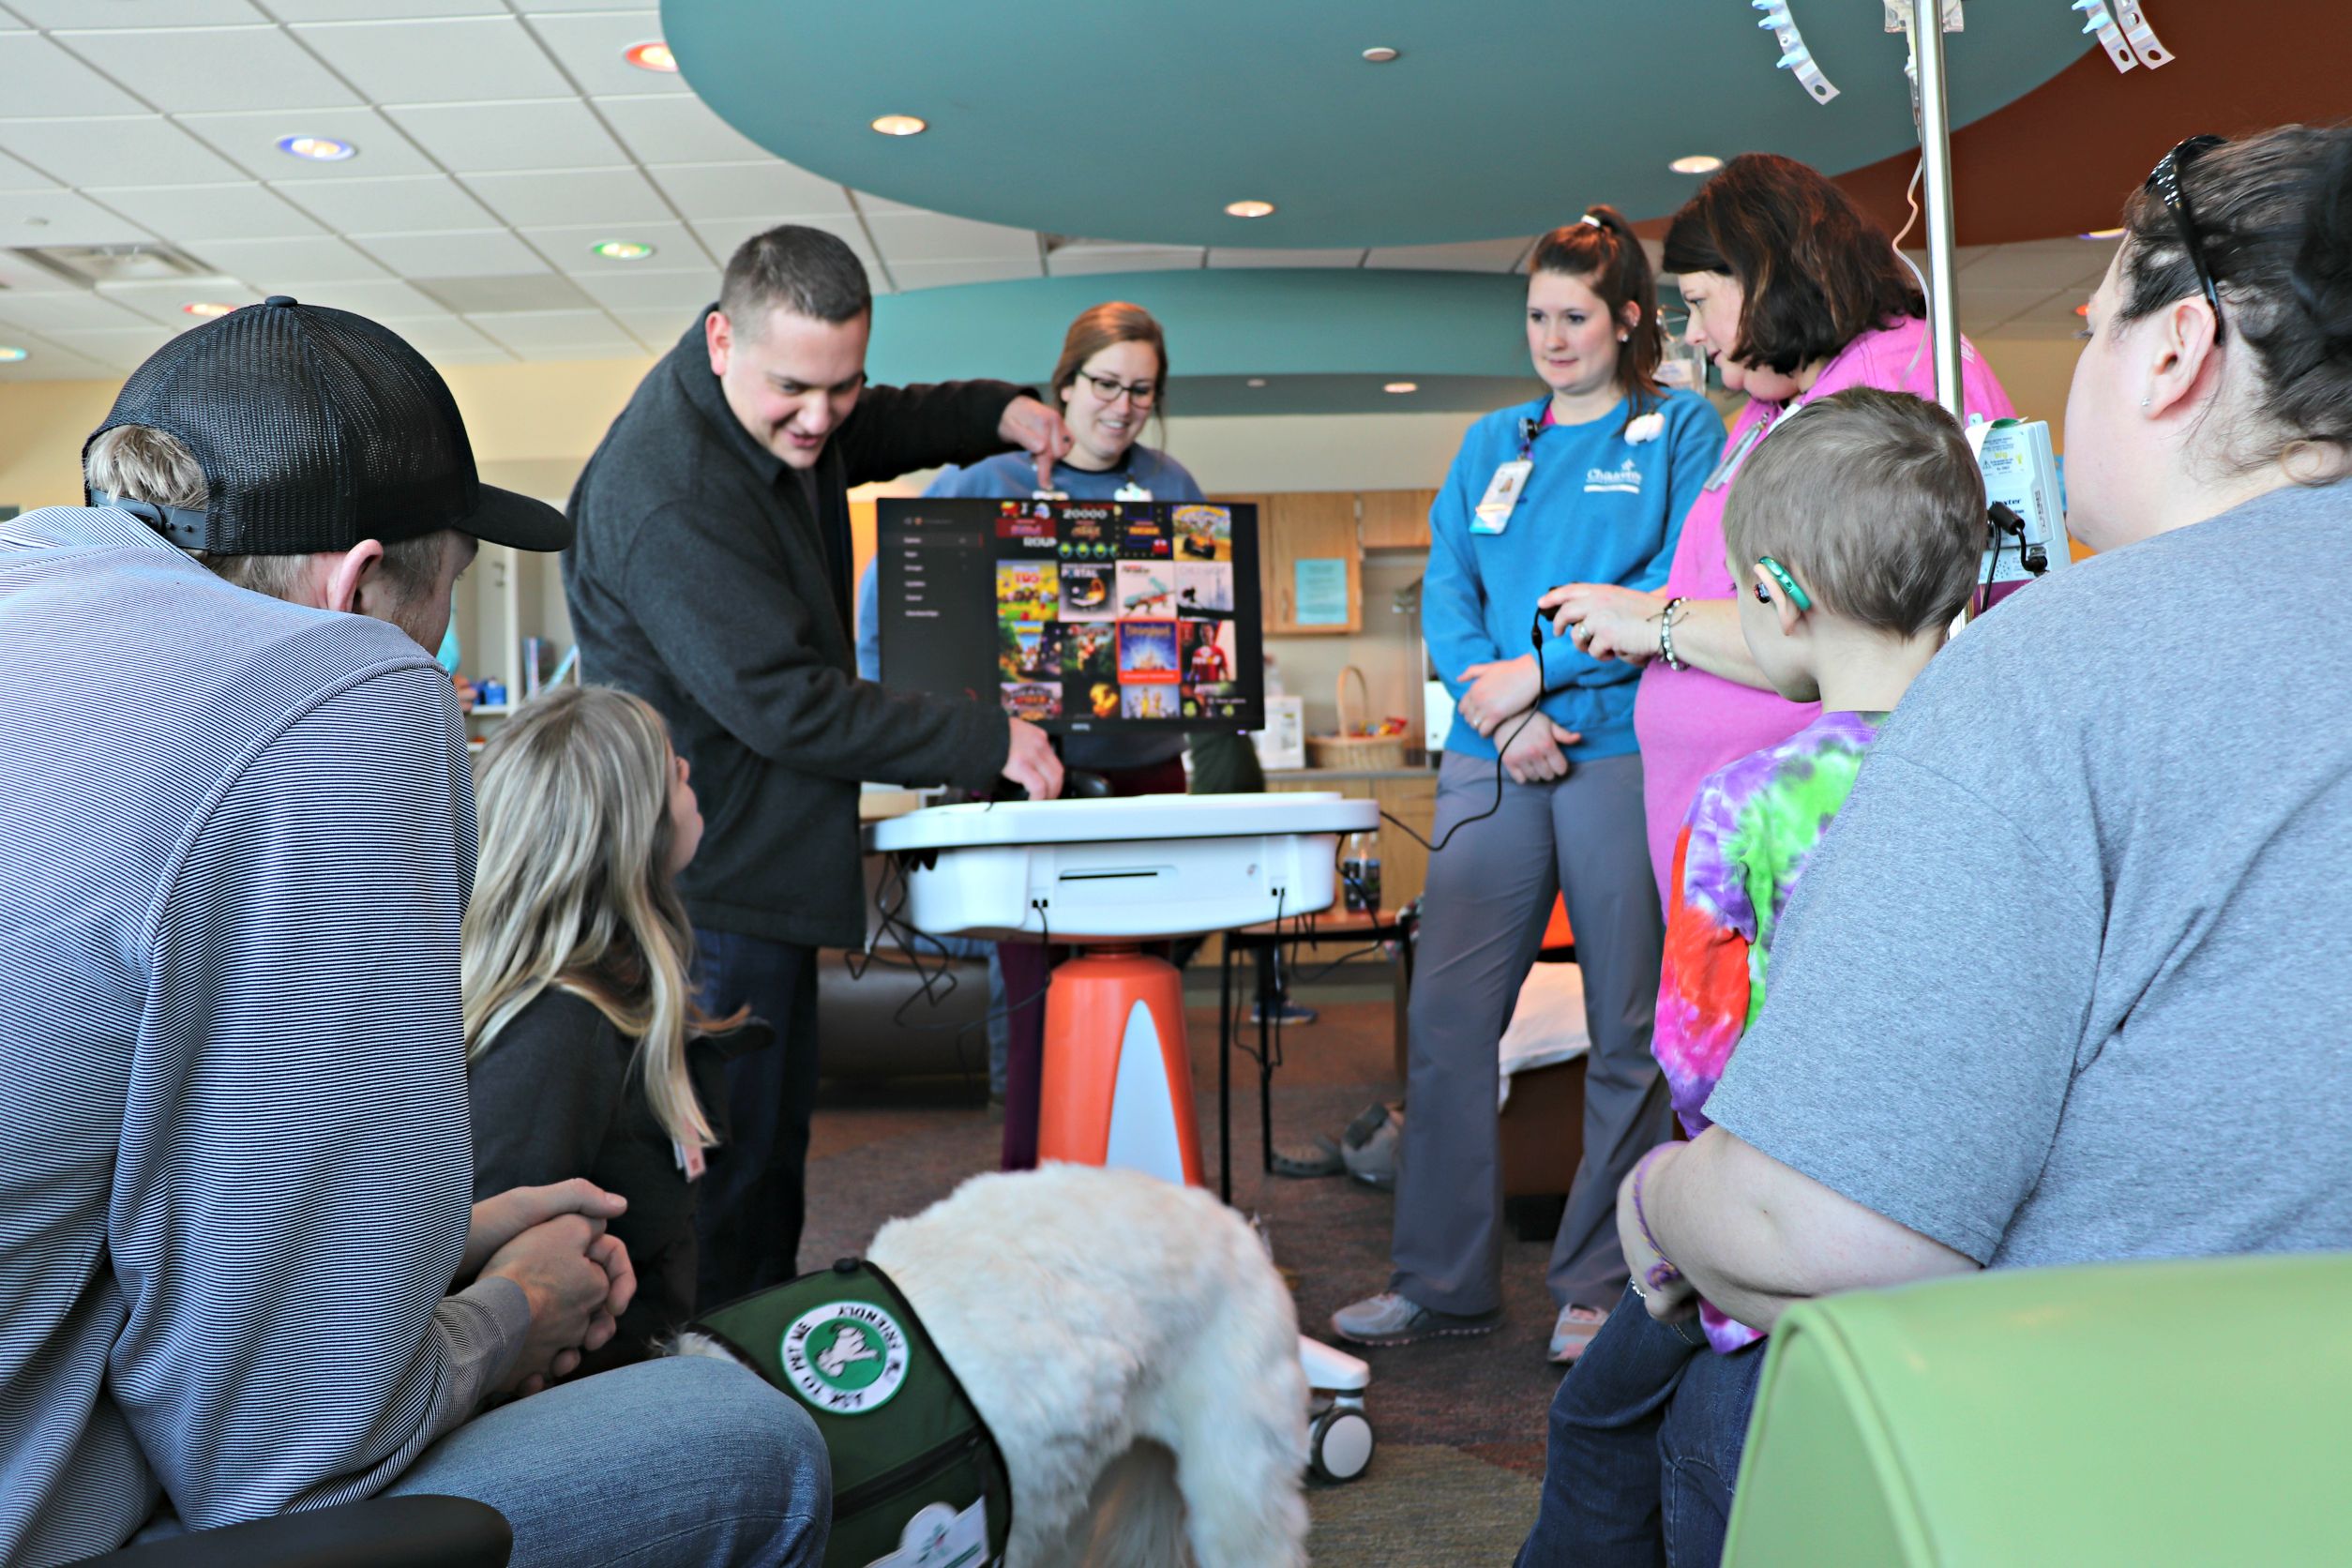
(748, 1218)
(1646, 1433)
(688, 1462)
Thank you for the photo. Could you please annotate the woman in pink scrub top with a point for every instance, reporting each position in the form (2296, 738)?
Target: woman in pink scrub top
(1794, 294)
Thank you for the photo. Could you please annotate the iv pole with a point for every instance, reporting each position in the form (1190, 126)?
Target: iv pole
(1935, 145)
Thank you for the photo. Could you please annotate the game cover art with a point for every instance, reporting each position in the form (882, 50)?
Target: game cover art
(1027, 590)
(1203, 533)
(1147, 653)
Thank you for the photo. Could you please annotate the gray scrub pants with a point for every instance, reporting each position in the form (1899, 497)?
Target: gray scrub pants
(1489, 893)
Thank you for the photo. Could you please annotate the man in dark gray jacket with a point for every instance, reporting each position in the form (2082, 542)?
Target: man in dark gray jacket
(711, 576)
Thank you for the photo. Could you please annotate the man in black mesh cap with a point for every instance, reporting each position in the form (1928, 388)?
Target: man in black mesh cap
(236, 837)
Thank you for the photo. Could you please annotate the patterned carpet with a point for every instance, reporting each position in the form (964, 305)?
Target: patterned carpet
(1459, 1422)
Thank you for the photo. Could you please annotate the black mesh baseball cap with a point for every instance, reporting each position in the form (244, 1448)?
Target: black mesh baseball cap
(316, 429)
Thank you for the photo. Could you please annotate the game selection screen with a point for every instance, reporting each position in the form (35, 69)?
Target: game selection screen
(1076, 616)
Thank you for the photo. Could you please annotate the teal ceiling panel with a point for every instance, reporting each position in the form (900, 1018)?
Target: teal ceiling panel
(1499, 117)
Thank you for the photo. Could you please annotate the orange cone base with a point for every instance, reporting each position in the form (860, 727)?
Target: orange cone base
(1117, 1085)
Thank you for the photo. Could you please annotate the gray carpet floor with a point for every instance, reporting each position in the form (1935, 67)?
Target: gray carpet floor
(1459, 1422)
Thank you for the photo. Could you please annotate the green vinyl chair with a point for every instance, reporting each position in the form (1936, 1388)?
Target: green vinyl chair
(2152, 1414)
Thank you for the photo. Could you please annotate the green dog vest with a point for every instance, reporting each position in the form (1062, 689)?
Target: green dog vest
(918, 1479)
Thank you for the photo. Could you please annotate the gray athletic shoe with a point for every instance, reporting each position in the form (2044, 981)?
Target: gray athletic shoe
(1389, 1319)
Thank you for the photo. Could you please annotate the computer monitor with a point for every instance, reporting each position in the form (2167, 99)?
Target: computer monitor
(1090, 617)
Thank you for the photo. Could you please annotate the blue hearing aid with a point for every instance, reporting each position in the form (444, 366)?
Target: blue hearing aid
(1796, 596)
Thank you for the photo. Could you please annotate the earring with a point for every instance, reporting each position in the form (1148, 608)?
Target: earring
(2144, 402)
(1624, 337)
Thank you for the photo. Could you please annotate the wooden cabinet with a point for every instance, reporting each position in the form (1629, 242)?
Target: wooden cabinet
(1308, 526)
(1396, 520)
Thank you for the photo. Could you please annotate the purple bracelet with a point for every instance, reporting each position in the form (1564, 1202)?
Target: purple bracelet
(1663, 1272)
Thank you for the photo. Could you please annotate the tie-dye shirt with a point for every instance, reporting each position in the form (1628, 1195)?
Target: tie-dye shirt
(1741, 849)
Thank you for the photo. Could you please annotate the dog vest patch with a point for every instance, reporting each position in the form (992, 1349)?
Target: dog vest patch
(845, 1357)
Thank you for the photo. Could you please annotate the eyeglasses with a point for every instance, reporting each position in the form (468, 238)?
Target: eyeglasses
(2164, 182)
(1141, 394)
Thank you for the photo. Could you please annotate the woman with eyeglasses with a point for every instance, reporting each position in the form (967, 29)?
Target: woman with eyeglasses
(1794, 294)
(2063, 969)
(1109, 381)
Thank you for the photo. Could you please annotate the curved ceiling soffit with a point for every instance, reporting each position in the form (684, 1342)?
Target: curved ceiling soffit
(1475, 132)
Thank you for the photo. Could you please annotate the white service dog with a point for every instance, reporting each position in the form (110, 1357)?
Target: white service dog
(1136, 1355)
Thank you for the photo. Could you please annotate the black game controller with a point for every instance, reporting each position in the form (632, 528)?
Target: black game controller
(1077, 784)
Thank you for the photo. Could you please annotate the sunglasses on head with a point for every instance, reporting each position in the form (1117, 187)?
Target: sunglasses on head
(2163, 182)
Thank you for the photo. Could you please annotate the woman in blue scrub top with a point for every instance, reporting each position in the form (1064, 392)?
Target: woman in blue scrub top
(1592, 479)
(1110, 381)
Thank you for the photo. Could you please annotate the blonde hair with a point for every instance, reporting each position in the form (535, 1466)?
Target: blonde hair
(574, 891)
(136, 462)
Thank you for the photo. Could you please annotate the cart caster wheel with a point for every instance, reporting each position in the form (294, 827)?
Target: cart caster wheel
(1339, 1445)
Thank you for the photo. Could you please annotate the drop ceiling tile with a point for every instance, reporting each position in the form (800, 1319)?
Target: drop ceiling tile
(759, 189)
(373, 10)
(62, 218)
(934, 275)
(540, 331)
(868, 202)
(438, 334)
(43, 79)
(545, 291)
(19, 277)
(151, 13)
(926, 236)
(79, 311)
(571, 196)
(723, 235)
(1075, 260)
(95, 151)
(17, 177)
(676, 129)
(1225, 255)
(448, 60)
(592, 46)
(1982, 307)
(2047, 265)
(188, 69)
(659, 330)
(477, 253)
(191, 213)
(674, 293)
(49, 362)
(276, 266)
(251, 140)
(376, 297)
(570, 247)
(1484, 255)
(432, 203)
(161, 302)
(490, 138)
(537, 7)
(120, 350)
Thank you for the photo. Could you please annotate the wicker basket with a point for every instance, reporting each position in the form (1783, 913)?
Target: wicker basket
(1348, 750)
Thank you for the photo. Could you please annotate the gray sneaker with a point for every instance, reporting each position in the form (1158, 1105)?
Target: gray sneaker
(1389, 1319)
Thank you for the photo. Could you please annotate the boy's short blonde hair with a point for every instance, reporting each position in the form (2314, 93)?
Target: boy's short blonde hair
(1874, 501)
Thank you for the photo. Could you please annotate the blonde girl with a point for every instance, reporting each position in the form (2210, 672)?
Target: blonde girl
(587, 1055)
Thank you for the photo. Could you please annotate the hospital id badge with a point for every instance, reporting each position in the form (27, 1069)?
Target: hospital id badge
(1492, 514)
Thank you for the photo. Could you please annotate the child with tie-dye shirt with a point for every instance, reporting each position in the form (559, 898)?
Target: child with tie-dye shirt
(1858, 528)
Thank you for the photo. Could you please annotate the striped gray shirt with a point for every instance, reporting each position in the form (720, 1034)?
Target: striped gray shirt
(237, 837)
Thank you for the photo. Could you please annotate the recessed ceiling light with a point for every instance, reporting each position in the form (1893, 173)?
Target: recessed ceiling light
(1402, 387)
(1382, 56)
(2101, 233)
(901, 125)
(318, 149)
(10, 356)
(1696, 163)
(654, 55)
(1249, 210)
(1257, 381)
(621, 249)
(206, 308)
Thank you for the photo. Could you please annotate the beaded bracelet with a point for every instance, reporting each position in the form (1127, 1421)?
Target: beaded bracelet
(1663, 1272)
(1666, 634)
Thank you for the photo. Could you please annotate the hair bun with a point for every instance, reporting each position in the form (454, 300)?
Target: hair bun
(1608, 217)
(2323, 263)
